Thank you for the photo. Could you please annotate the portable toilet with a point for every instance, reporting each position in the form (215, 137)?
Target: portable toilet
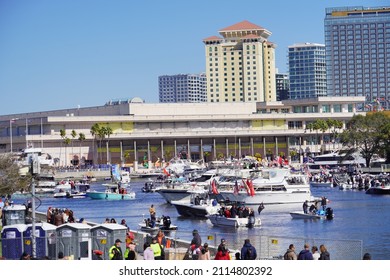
(12, 241)
(14, 214)
(45, 240)
(74, 240)
(104, 236)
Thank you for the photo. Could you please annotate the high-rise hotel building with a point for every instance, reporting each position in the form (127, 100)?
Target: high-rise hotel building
(307, 71)
(357, 43)
(240, 65)
(182, 88)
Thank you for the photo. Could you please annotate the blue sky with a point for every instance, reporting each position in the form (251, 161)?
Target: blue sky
(57, 54)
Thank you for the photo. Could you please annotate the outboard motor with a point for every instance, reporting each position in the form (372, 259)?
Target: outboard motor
(167, 222)
(329, 213)
(251, 221)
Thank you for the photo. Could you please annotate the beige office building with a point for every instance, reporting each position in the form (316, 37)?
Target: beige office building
(240, 65)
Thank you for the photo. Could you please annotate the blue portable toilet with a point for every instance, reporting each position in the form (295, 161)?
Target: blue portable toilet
(74, 240)
(45, 239)
(104, 236)
(12, 241)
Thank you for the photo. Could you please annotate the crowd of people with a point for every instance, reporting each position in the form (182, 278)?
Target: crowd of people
(306, 253)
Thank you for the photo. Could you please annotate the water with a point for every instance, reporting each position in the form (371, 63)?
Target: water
(358, 216)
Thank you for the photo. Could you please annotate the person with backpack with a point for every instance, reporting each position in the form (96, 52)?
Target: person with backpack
(248, 252)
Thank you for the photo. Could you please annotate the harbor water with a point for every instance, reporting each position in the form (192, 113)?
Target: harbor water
(358, 217)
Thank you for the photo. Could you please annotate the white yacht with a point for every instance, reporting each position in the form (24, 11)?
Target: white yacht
(339, 158)
(270, 186)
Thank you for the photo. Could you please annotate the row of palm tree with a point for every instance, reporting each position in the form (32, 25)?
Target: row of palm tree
(100, 132)
(67, 141)
(324, 125)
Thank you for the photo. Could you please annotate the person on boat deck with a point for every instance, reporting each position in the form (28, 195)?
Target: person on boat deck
(313, 209)
(305, 206)
(227, 213)
(197, 200)
(233, 211)
(196, 240)
(115, 252)
(152, 211)
(323, 202)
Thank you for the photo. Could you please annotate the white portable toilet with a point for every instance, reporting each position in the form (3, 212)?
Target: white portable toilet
(74, 240)
(14, 214)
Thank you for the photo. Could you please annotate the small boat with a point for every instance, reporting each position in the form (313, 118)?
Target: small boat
(321, 214)
(149, 187)
(379, 190)
(112, 192)
(163, 224)
(221, 220)
(78, 191)
(200, 205)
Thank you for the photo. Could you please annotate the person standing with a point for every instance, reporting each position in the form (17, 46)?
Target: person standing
(152, 212)
(196, 241)
(115, 252)
(324, 253)
(305, 206)
(248, 252)
(157, 249)
(223, 252)
(290, 253)
(305, 254)
(315, 253)
(204, 253)
(148, 252)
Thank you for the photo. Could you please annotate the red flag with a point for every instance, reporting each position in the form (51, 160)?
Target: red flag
(214, 187)
(166, 172)
(248, 191)
(251, 189)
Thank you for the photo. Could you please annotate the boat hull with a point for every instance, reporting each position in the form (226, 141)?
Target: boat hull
(300, 215)
(378, 190)
(110, 196)
(321, 185)
(218, 220)
(174, 194)
(191, 210)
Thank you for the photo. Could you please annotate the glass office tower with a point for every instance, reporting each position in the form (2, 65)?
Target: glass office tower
(357, 43)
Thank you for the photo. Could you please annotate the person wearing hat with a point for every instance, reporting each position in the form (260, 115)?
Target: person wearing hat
(115, 252)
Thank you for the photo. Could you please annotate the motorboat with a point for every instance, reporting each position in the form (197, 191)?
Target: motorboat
(221, 220)
(267, 186)
(28, 155)
(113, 192)
(163, 223)
(320, 214)
(200, 205)
(385, 189)
(78, 191)
(149, 187)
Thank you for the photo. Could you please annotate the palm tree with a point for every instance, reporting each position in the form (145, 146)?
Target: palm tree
(81, 139)
(67, 141)
(101, 134)
(107, 132)
(94, 132)
(62, 134)
(73, 134)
